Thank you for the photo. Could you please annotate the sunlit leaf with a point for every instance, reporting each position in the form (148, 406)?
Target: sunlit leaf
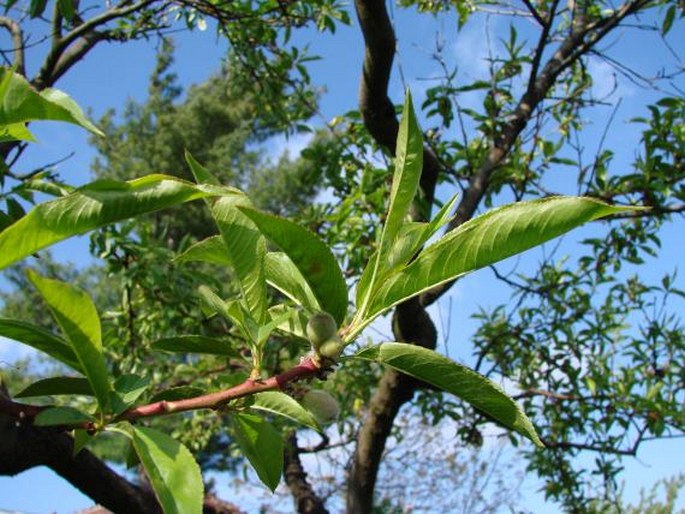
(496, 235)
(99, 203)
(245, 245)
(76, 315)
(281, 404)
(312, 258)
(441, 372)
(282, 274)
(21, 103)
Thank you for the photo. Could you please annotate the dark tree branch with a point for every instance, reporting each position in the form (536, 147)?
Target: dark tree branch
(23, 446)
(306, 499)
(17, 42)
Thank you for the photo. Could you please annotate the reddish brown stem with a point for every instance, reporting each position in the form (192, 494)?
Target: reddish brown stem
(305, 369)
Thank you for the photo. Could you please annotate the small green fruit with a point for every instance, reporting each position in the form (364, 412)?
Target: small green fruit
(331, 349)
(322, 405)
(320, 328)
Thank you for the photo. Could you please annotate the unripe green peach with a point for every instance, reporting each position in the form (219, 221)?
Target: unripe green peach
(322, 405)
(331, 349)
(320, 328)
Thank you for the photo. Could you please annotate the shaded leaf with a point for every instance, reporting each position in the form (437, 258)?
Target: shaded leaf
(174, 475)
(441, 372)
(262, 444)
(57, 386)
(195, 344)
(127, 389)
(40, 339)
(62, 416)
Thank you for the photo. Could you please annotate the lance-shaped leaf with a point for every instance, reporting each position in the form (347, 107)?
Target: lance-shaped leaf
(94, 205)
(77, 317)
(262, 444)
(40, 339)
(281, 404)
(496, 235)
(405, 182)
(282, 274)
(174, 475)
(68, 416)
(195, 344)
(312, 257)
(57, 386)
(21, 103)
(245, 244)
(211, 250)
(441, 372)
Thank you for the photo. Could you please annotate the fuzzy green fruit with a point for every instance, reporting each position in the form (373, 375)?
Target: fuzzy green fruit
(322, 405)
(320, 328)
(331, 349)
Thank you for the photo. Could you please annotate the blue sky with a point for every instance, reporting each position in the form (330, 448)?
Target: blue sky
(114, 73)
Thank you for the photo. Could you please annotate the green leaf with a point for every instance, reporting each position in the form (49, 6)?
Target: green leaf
(21, 103)
(312, 258)
(211, 250)
(245, 245)
(492, 237)
(281, 404)
(668, 20)
(174, 475)
(66, 7)
(127, 389)
(16, 132)
(57, 386)
(233, 310)
(262, 444)
(94, 205)
(62, 416)
(40, 339)
(36, 7)
(195, 344)
(294, 325)
(283, 275)
(441, 372)
(76, 315)
(405, 182)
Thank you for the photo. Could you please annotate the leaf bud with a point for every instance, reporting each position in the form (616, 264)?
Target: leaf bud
(322, 405)
(320, 328)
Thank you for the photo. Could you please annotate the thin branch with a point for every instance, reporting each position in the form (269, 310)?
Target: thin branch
(306, 369)
(17, 43)
(531, 8)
